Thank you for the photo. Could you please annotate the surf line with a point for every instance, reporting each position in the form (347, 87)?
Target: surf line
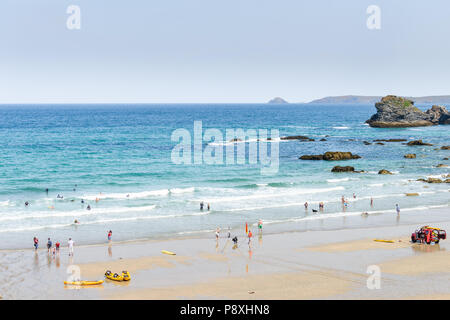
(261, 149)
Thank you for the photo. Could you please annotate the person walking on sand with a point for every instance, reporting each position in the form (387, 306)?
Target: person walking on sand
(229, 232)
(354, 195)
(250, 235)
(70, 245)
(57, 247)
(397, 208)
(371, 201)
(260, 225)
(109, 235)
(49, 245)
(209, 207)
(35, 243)
(343, 199)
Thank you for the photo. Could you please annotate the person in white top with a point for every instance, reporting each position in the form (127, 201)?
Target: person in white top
(70, 244)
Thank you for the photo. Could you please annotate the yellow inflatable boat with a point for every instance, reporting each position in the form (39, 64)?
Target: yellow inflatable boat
(126, 276)
(83, 283)
(113, 276)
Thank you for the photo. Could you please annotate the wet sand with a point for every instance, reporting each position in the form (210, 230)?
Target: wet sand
(322, 264)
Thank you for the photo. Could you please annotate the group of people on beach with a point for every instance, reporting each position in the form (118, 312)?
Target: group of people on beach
(249, 233)
(54, 249)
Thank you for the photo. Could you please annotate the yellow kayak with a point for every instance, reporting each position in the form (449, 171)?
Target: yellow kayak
(83, 283)
(168, 252)
(381, 240)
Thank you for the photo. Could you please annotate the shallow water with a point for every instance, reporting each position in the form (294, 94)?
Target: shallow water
(121, 155)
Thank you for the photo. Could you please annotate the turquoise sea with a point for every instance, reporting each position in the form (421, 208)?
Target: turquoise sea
(117, 159)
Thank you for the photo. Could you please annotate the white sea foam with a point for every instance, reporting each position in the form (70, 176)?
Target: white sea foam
(74, 213)
(341, 128)
(268, 195)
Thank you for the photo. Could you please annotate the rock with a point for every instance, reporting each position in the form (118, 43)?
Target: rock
(295, 138)
(445, 159)
(439, 115)
(445, 148)
(311, 139)
(312, 157)
(418, 143)
(383, 171)
(343, 169)
(412, 194)
(390, 140)
(366, 143)
(331, 156)
(410, 156)
(380, 143)
(323, 139)
(432, 180)
(335, 156)
(440, 165)
(278, 100)
(398, 112)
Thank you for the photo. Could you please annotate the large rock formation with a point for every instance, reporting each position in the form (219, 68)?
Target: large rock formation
(331, 156)
(398, 112)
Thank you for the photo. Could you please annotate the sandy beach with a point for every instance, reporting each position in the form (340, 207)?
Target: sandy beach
(321, 264)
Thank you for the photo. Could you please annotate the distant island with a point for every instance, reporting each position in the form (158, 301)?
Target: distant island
(278, 100)
(374, 99)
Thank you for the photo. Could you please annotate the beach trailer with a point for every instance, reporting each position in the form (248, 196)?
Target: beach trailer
(428, 234)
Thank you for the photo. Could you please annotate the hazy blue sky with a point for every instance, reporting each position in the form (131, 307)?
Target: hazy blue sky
(221, 51)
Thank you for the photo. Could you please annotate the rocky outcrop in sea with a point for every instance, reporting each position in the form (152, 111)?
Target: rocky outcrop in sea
(398, 112)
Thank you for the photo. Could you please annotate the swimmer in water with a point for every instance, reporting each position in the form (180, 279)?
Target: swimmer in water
(88, 207)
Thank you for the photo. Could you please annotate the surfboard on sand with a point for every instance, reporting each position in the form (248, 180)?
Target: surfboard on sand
(168, 252)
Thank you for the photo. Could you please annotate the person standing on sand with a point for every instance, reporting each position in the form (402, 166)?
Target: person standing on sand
(229, 232)
(260, 225)
(109, 235)
(397, 208)
(49, 245)
(342, 199)
(217, 233)
(201, 206)
(209, 207)
(354, 195)
(250, 235)
(371, 201)
(35, 243)
(57, 247)
(70, 245)
(306, 205)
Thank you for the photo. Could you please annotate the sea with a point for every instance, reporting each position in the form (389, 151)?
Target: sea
(118, 159)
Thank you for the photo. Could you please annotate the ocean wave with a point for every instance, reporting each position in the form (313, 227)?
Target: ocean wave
(341, 128)
(5, 203)
(268, 195)
(137, 195)
(74, 213)
(101, 221)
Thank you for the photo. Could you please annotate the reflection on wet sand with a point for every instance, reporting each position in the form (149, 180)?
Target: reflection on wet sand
(425, 248)
(110, 250)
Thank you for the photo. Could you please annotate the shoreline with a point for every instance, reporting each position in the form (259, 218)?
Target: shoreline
(327, 264)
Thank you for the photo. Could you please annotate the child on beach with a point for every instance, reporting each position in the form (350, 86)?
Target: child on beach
(109, 235)
(371, 201)
(306, 205)
(70, 245)
(57, 247)
(35, 243)
(250, 235)
(260, 225)
(201, 206)
(397, 208)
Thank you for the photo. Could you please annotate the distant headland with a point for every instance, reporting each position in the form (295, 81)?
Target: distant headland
(374, 99)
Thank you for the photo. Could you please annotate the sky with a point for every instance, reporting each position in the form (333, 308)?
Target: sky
(216, 51)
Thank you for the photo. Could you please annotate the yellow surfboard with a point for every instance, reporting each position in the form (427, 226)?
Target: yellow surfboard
(168, 252)
(381, 240)
(83, 283)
